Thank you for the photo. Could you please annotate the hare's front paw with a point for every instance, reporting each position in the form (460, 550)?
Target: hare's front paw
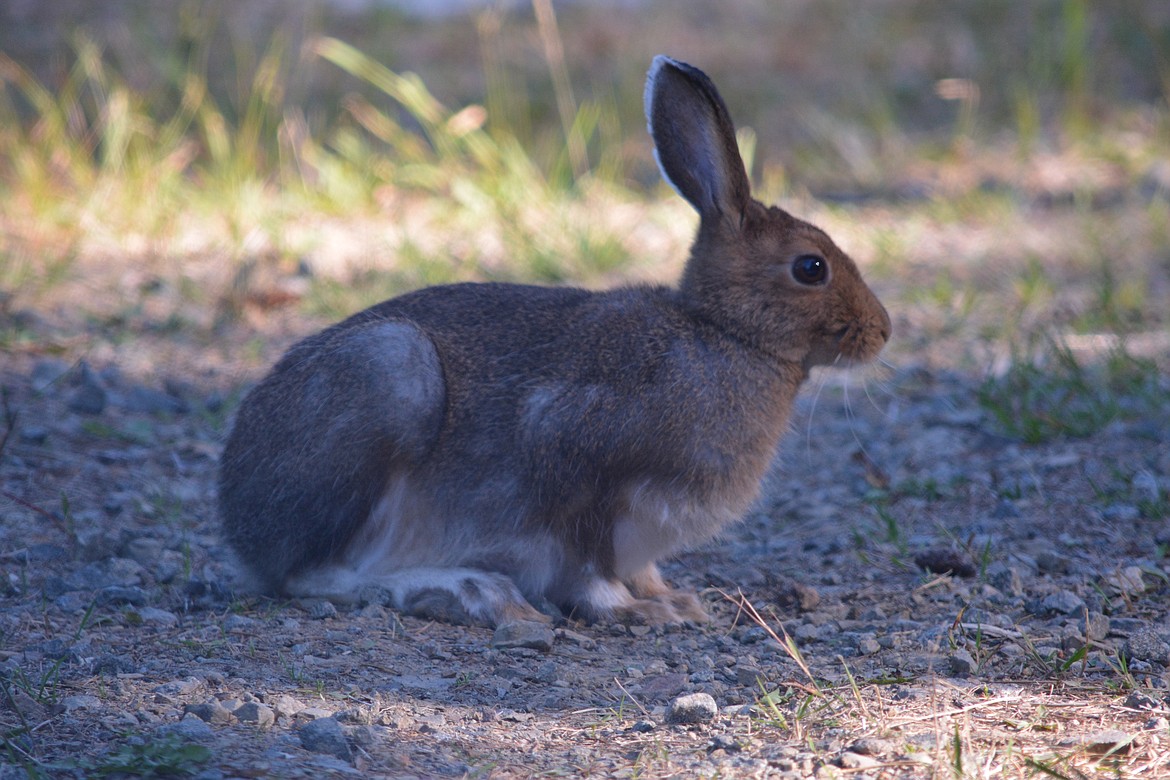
(675, 606)
(643, 598)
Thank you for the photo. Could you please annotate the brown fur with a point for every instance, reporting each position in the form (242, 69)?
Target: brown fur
(474, 450)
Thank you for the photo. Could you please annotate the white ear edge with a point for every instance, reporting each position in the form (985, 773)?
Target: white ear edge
(656, 66)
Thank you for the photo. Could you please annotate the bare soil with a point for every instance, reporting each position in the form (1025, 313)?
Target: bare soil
(933, 599)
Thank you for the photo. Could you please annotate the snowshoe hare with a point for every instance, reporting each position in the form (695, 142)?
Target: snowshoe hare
(473, 450)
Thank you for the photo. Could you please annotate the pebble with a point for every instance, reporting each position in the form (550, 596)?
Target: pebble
(90, 396)
(1111, 741)
(850, 760)
(1146, 644)
(147, 400)
(963, 664)
(321, 609)
(692, 708)
(523, 634)
(325, 735)
(210, 712)
(1062, 602)
(158, 617)
(190, 728)
(1128, 580)
(254, 712)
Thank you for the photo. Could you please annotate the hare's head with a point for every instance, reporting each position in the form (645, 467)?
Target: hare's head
(774, 281)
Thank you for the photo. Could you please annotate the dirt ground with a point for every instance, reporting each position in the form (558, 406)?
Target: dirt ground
(918, 595)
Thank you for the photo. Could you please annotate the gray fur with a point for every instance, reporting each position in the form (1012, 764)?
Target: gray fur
(475, 449)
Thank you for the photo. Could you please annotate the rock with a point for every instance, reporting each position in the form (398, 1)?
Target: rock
(790, 594)
(119, 594)
(240, 624)
(1142, 701)
(1146, 644)
(872, 746)
(285, 706)
(90, 396)
(523, 633)
(150, 401)
(868, 645)
(945, 560)
(1063, 602)
(850, 760)
(260, 715)
(34, 435)
(1052, 562)
(158, 617)
(320, 609)
(47, 372)
(1094, 626)
(643, 726)
(81, 702)
(692, 708)
(963, 663)
(210, 712)
(1127, 581)
(1111, 741)
(190, 728)
(325, 735)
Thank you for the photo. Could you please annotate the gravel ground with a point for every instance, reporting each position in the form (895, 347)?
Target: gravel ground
(917, 595)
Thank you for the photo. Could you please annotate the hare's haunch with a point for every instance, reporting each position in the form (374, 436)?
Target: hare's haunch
(475, 451)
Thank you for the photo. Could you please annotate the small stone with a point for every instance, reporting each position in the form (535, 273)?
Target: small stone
(850, 760)
(1094, 626)
(1142, 701)
(748, 675)
(285, 706)
(643, 726)
(150, 401)
(47, 372)
(581, 640)
(325, 735)
(34, 435)
(210, 712)
(1052, 562)
(1112, 741)
(872, 746)
(790, 594)
(1146, 644)
(868, 646)
(240, 624)
(1063, 602)
(81, 702)
(90, 396)
(158, 617)
(321, 609)
(944, 561)
(118, 594)
(1128, 581)
(523, 633)
(963, 663)
(254, 712)
(692, 708)
(190, 728)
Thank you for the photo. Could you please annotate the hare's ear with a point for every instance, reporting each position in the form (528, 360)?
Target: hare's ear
(694, 140)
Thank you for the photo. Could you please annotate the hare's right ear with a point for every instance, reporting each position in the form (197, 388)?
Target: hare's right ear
(694, 140)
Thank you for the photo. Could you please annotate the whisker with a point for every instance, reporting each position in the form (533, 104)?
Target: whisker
(811, 412)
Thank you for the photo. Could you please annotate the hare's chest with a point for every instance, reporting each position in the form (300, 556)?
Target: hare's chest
(660, 520)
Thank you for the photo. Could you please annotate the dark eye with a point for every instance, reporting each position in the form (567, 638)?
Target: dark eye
(810, 269)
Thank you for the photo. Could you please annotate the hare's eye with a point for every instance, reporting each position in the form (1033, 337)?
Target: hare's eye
(810, 269)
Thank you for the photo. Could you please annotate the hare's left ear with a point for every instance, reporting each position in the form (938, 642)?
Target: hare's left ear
(694, 140)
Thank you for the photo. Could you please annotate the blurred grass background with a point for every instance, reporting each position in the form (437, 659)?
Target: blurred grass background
(1001, 170)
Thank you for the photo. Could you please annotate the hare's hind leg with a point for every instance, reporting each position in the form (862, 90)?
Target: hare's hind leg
(456, 595)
